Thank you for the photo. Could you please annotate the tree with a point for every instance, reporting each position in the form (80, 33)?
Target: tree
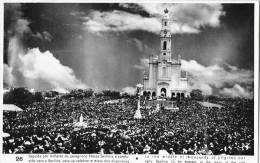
(38, 96)
(196, 94)
(18, 96)
(99, 94)
(88, 92)
(111, 93)
(212, 97)
(125, 95)
(80, 93)
(51, 94)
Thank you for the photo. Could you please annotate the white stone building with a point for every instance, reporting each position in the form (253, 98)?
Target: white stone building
(165, 76)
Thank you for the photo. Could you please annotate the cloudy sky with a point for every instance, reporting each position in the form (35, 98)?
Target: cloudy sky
(106, 46)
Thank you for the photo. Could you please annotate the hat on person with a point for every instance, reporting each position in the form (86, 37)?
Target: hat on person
(20, 146)
(41, 149)
(27, 143)
(146, 148)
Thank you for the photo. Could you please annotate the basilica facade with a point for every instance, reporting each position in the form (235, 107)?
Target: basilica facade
(165, 77)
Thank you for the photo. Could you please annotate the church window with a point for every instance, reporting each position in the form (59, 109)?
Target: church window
(163, 92)
(178, 95)
(148, 94)
(153, 94)
(164, 45)
(164, 72)
(164, 61)
(165, 23)
(164, 53)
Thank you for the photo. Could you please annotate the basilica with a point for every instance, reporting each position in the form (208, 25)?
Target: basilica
(165, 78)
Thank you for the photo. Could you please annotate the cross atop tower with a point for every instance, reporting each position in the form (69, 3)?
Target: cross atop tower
(166, 14)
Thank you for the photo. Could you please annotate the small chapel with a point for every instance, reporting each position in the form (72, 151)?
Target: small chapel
(165, 78)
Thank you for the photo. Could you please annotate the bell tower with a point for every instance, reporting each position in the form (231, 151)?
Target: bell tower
(165, 77)
(165, 38)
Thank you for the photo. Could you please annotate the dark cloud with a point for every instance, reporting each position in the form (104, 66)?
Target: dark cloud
(239, 22)
(12, 15)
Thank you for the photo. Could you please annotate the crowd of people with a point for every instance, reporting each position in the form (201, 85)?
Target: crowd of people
(52, 126)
